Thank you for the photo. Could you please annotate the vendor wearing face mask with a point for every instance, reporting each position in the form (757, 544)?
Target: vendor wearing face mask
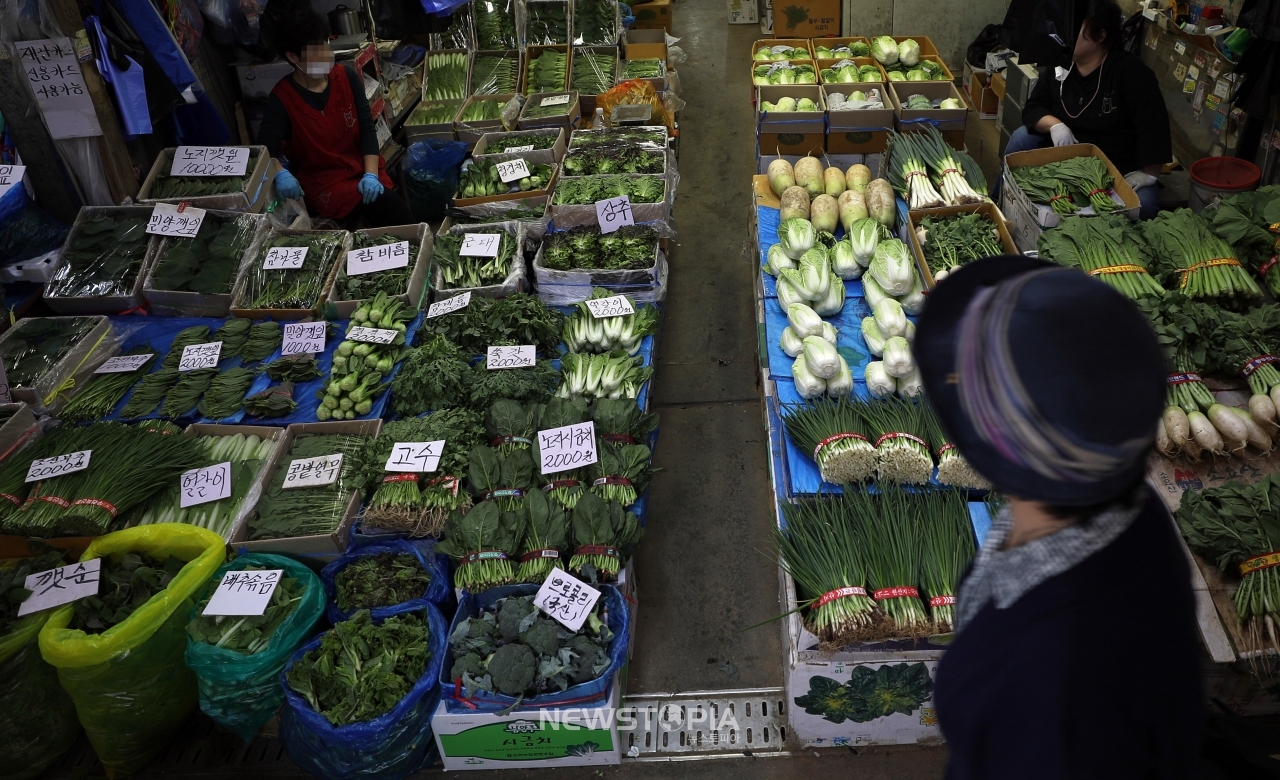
(318, 116)
(1107, 98)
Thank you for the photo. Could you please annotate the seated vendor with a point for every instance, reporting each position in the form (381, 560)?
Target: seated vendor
(318, 116)
(1107, 98)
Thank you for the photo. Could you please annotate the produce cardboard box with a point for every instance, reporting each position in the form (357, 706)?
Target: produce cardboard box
(645, 45)
(742, 12)
(858, 61)
(421, 233)
(77, 366)
(103, 304)
(252, 198)
(568, 119)
(514, 54)
(858, 131)
(652, 15)
(998, 85)
(950, 121)
(259, 482)
(988, 209)
(983, 96)
(548, 156)
(182, 303)
(574, 215)
(517, 195)
(945, 70)
(238, 304)
(807, 19)
(588, 101)
(472, 131)
(1041, 215)
(325, 546)
(796, 63)
(555, 737)
(926, 45)
(832, 43)
(532, 53)
(439, 131)
(795, 43)
(790, 132)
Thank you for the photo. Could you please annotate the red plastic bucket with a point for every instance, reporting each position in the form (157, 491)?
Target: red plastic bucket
(1213, 178)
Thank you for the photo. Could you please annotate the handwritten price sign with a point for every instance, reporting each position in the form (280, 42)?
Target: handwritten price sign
(512, 170)
(377, 258)
(196, 356)
(313, 472)
(510, 357)
(210, 161)
(525, 148)
(48, 468)
(555, 100)
(181, 221)
(613, 306)
(303, 338)
(10, 175)
(200, 486)
(568, 447)
(415, 456)
(614, 213)
(122, 363)
(449, 305)
(372, 335)
(285, 257)
(566, 598)
(63, 585)
(480, 245)
(244, 593)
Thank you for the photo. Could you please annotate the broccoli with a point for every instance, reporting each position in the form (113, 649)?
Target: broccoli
(543, 638)
(513, 668)
(590, 659)
(513, 611)
(470, 663)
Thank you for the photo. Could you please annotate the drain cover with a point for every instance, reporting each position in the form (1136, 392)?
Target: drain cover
(704, 724)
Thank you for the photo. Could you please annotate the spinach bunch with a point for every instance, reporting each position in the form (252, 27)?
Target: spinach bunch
(124, 585)
(247, 634)
(381, 580)
(433, 376)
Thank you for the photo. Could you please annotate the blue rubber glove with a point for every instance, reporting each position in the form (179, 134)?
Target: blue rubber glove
(370, 187)
(288, 186)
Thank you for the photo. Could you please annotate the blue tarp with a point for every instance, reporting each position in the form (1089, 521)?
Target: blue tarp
(849, 341)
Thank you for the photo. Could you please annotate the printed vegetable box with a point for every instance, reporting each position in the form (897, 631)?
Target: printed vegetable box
(790, 132)
(253, 196)
(571, 736)
(653, 15)
(1041, 214)
(861, 130)
(807, 18)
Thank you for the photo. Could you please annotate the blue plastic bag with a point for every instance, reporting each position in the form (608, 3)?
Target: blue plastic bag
(431, 176)
(389, 747)
(618, 620)
(437, 592)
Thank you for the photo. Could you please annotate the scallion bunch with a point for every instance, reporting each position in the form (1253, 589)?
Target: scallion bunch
(902, 446)
(949, 546)
(833, 432)
(823, 548)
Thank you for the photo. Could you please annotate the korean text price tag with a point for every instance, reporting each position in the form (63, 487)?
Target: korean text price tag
(415, 456)
(555, 100)
(180, 221)
(568, 447)
(200, 486)
(512, 170)
(243, 593)
(11, 175)
(614, 213)
(510, 357)
(449, 305)
(313, 472)
(63, 585)
(48, 468)
(210, 161)
(480, 245)
(196, 356)
(303, 338)
(372, 335)
(122, 363)
(377, 258)
(282, 257)
(525, 148)
(53, 71)
(613, 306)
(566, 598)
(6, 397)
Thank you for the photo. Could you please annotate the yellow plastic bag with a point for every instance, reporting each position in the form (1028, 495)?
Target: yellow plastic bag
(131, 688)
(37, 720)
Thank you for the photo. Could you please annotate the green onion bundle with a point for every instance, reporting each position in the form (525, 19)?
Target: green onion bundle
(894, 530)
(102, 394)
(834, 433)
(953, 469)
(1107, 248)
(948, 173)
(907, 172)
(822, 547)
(1196, 261)
(902, 449)
(949, 547)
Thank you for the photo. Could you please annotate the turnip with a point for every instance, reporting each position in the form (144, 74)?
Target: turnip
(809, 175)
(856, 178)
(824, 213)
(881, 205)
(795, 203)
(1175, 426)
(834, 181)
(1257, 438)
(1204, 434)
(852, 206)
(1263, 411)
(781, 176)
(1229, 426)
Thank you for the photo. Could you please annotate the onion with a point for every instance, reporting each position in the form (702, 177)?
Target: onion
(1175, 425)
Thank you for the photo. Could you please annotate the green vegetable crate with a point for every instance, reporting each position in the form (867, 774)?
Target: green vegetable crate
(421, 233)
(183, 303)
(507, 196)
(99, 304)
(567, 115)
(472, 131)
(552, 153)
(949, 121)
(253, 197)
(532, 213)
(516, 278)
(75, 366)
(988, 210)
(273, 433)
(254, 258)
(325, 547)
(416, 130)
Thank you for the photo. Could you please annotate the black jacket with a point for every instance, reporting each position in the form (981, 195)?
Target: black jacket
(1093, 674)
(1124, 115)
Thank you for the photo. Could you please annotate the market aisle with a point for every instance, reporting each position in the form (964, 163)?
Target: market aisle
(701, 569)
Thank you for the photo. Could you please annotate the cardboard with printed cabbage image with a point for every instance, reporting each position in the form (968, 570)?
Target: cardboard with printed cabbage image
(806, 18)
(530, 739)
(415, 295)
(790, 132)
(652, 15)
(861, 130)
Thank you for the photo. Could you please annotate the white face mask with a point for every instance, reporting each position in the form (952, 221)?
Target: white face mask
(318, 70)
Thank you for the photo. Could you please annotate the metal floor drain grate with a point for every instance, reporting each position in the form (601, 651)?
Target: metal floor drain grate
(705, 724)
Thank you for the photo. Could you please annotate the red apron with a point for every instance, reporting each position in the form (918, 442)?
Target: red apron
(324, 147)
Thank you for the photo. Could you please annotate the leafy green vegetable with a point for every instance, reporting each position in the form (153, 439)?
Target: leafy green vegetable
(482, 542)
(602, 160)
(534, 383)
(206, 263)
(393, 281)
(537, 140)
(291, 288)
(547, 73)
(294, 368)
(496, 24)
(594, 23)
(632, 247)
(433, 376)
(604, 536)
(495, 74)
(124, 585)
(869, 693)
(381, 580)
(247, 634)
(264, 338)
(585, 190)
(103, 256)
(273, 402)
(461, 272)
(35, 345)
(13, 579)
(446, 76)
(487, 322)
(167, 186)
(104, 391)
(1107, 247)
(307, 511)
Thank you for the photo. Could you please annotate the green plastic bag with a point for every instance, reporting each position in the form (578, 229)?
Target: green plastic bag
(131, 688)
(37, 719)
(241, 692)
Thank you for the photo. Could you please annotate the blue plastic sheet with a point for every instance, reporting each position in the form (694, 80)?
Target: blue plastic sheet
(436, 566)
(980, 517)
(849, 341)
(582, 695)
(392, 746)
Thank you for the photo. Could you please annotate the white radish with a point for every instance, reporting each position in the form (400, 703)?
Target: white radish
(1229, 425)
(1175, 425)
(1258, 438)
(1204, 434)
(1192, 450)
(1275, 397)
(1263, 410)
(1162, 441)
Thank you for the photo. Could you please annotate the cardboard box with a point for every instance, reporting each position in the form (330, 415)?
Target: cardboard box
(802, 44)
(644, 45)
(436, 131)
(949, 76)
(792, 63)
(998, 85)
(569, 119)
(1044, 216)
(822, 65)
(77, 365)
(259, 481)
(926, 45)
(652, 15)
(517, 195)
(182, 303)
(101, 304)
(987, 209)
(548, 156)
(764, 9)
(808, 19)
(858, 131)
(832, 43)
(252, 256)
(588, 100)
(513, 54)
(415, 295)
(573, 215)
(252, 198)
(258, 79)
(325, 546)
(950, 121)
(984, 98)
(790, 132)
(471, 131)
(532, 54)
(743, 12)
(573, 736)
